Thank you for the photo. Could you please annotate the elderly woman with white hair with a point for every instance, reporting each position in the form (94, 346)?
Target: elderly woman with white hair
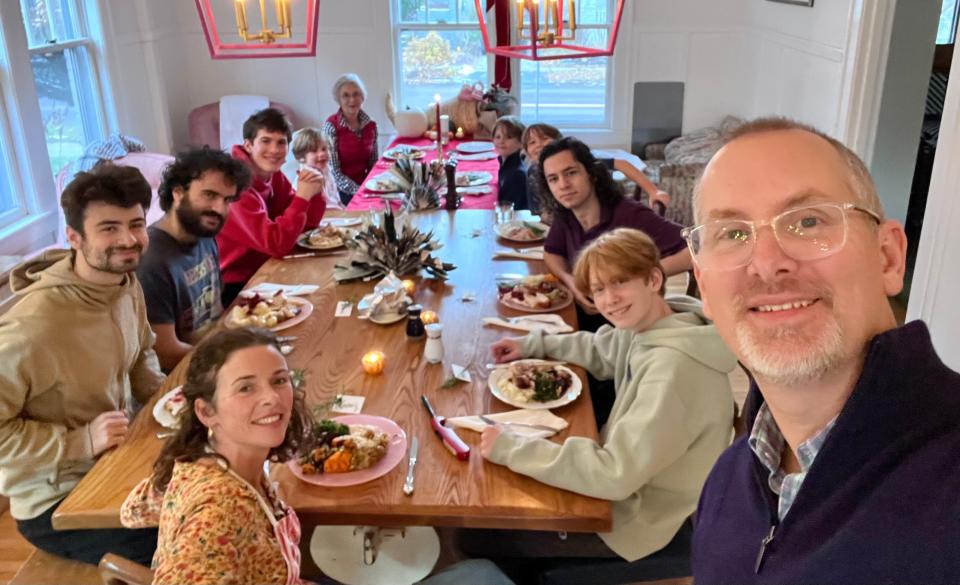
(353, 136)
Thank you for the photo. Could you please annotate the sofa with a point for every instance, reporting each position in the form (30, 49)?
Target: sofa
(676, 165)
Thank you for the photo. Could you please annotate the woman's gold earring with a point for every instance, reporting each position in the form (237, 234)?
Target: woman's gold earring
(209, 433)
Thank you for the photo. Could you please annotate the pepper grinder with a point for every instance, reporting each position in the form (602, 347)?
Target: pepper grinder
(433, 349)
(453, 200)
(415, 328)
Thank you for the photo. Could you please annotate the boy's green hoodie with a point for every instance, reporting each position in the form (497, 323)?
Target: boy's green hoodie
(672, 417)
(71, 350)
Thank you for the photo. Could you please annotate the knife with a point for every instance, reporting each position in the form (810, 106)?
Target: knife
(408, 484)
(450, 439)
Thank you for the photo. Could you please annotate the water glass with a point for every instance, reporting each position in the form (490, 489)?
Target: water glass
(505, 211)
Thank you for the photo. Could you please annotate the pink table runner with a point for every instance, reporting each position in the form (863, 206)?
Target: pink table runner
(364, 199)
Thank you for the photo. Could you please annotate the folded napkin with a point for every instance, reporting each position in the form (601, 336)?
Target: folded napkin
(550, 323)
(530, 417)
(268, 288)
(388, 296)
(531, 254)
(479, 156)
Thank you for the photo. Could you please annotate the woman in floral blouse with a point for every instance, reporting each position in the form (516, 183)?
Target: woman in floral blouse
(220, 519)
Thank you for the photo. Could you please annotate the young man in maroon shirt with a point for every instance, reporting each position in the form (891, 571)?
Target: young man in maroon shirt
(267, 218)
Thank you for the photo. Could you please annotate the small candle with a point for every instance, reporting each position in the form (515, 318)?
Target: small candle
(429, 317)
(373, 362)
(459, 133)
(409, 286)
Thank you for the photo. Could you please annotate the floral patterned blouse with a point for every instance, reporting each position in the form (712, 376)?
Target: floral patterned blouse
(213, 529)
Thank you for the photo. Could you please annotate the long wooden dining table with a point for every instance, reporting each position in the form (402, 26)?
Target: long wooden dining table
(449, 492)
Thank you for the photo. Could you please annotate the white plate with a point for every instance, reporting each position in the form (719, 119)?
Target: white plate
(304, 241)
(569, 396)
(508, 301)
(489, 155)
(162, 415)
(476, 178)
(306, 307)
(341, 221)
(403, 151)
(383, 183)
(475, 147)
(387, 318)
(502, 228)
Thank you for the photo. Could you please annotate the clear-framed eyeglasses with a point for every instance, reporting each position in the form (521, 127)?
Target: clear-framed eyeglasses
(804, 233)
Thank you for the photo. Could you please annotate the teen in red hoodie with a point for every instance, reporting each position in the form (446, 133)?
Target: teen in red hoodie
(267, 218)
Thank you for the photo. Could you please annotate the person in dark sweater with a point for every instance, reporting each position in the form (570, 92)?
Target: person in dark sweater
(180, 271)
(849, 470)
(512, 178)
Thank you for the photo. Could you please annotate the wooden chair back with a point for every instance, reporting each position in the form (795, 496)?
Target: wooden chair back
(116, 570)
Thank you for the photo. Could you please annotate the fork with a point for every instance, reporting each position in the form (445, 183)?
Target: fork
(491, 422)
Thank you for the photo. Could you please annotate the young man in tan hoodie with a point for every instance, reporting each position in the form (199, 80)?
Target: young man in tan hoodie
(78, 361)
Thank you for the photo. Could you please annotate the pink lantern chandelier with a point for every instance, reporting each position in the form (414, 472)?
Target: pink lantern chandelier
(544, 30)
(276, 36)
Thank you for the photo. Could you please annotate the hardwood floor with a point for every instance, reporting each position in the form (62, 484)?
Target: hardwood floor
(14, 550)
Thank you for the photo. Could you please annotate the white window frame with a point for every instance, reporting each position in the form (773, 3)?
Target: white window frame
(38, 221)
(608, 92)
(398, 28)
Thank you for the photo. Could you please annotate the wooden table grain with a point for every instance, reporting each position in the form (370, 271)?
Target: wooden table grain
(448, 492)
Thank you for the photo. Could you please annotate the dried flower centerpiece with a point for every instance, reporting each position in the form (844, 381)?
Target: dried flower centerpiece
(422, 182)
(405, 251)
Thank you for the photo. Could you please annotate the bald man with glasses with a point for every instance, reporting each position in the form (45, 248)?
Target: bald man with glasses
(850, 471)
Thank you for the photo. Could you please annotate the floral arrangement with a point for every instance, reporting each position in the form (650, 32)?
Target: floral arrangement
(381, 250)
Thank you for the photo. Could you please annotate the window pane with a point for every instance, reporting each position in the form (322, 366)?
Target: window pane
(67, 104)
(48, 21)
(412, 11)
(7, 201)
(592, 11)
(442, 11)
(439, 62)
(948, 19)
(468, 10)
(568, 92)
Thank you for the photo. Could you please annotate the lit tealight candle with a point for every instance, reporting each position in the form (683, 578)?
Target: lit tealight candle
(429, 317)
(409, 286)
(459, 133)
(373, 362)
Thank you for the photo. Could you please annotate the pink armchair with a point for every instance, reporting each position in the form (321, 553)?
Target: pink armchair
(204, 123)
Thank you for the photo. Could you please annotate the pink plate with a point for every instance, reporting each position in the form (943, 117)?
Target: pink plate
(306, 307)
(508, 301)
(396, 452)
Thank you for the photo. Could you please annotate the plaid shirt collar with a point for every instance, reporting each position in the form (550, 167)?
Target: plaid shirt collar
(362, 117)
(767, 443)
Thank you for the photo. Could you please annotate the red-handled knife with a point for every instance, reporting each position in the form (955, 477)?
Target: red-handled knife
(449, 437)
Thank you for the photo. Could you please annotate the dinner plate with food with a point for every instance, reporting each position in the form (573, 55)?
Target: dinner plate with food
(522, 231)
(473, 178)
(168, 408)
(403, 151)
(474, 147)
(341, 221)
(538, 293)
(534, 385)
(275, 312)
(383, 183)
(350, 450)
(327, 237)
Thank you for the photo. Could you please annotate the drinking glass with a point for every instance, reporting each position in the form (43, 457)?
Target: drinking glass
(505, 211)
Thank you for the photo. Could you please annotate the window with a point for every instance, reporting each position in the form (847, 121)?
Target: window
(947, 31)
(439, 48)
(571, 92)
(51, 106)
(61, 55)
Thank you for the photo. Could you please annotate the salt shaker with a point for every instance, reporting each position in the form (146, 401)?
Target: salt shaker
(414, 323)
(433, 349)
